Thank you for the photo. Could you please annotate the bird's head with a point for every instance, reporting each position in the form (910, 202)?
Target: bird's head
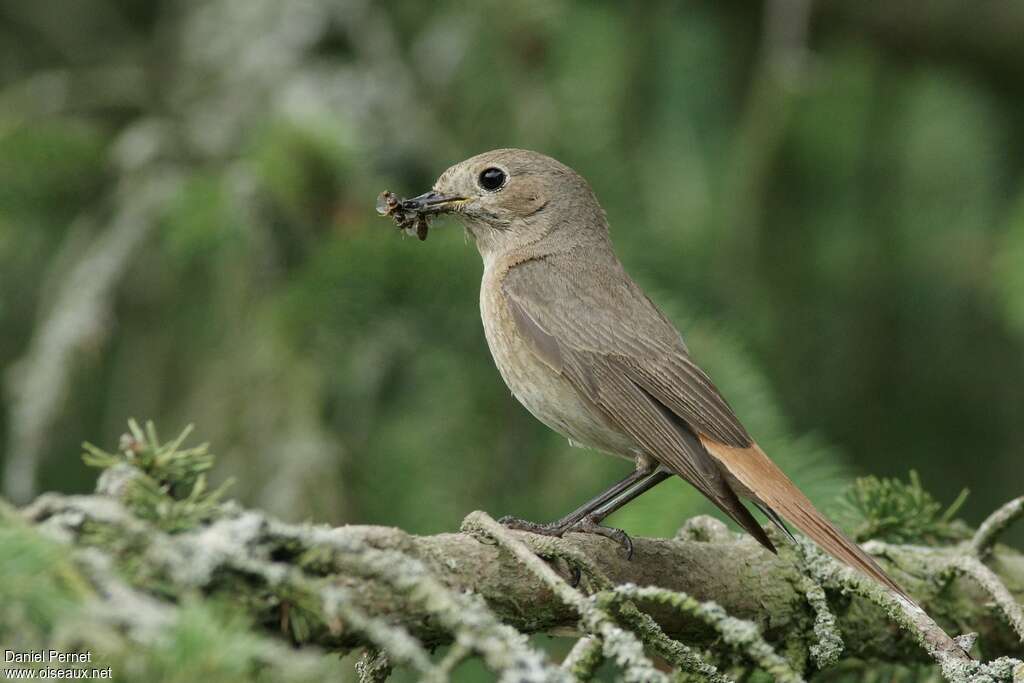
(511, 199)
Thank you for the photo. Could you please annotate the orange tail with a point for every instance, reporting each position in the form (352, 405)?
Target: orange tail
(768, 485)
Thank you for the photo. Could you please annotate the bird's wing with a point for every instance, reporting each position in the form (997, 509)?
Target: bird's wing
(598, 310)
(575, 336)
(593, 324)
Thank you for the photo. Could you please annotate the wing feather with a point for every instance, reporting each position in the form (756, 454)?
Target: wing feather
(663, 435)
(596, 327)
(600, 360)
(602, 311)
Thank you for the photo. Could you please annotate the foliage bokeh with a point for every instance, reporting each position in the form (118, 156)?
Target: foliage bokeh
(827, 200)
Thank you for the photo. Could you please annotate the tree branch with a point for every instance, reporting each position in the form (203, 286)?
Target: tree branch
(245, 552)
(707, 604)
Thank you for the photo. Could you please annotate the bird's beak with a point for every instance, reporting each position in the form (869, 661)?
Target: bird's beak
(432, 202)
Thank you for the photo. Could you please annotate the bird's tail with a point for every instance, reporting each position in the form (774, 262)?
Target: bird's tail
(770, 487)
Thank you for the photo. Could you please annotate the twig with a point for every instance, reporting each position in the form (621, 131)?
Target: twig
(400, 646)
(682, 656)
(739, 633)
(584, 658)
(618, 644)
(457, 654)
(987, 579)
(373, 667)
(830, 642)
(503, 649)
(996, 524)
(936, 642)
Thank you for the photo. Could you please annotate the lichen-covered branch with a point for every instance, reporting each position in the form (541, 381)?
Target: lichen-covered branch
(246, 555)
(989, 531)
(708, 604)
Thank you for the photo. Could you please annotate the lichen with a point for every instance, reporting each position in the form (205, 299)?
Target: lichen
(828, 645)
(584, 658)
(996, 523)
(618, 644)
(154, 567)
(987, 579)
(741, 634)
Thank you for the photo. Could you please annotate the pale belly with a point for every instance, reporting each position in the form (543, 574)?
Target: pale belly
(547, 395)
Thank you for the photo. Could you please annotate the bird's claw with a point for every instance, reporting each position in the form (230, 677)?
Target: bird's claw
(588, 525)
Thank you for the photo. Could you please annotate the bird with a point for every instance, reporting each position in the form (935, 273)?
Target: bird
(587, 352)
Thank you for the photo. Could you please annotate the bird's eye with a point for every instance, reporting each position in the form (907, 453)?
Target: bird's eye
(492, 179)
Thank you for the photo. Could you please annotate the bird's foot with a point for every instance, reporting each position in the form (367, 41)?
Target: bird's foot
(588, 525)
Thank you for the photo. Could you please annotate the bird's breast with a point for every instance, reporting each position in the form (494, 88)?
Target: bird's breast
(549, 396)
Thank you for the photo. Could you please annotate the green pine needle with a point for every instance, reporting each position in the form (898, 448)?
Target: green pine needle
(898, 512)
(168, 483)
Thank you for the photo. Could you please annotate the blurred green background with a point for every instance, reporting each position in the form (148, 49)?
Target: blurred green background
(828, 198)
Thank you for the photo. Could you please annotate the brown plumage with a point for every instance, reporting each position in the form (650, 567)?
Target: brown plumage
(764, 482)
(584, 349)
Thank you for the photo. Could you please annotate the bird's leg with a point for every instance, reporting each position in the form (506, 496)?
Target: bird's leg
(587, 517)
(562, 525)
(591, 523)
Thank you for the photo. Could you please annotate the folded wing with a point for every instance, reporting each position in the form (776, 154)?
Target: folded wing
(596, 327)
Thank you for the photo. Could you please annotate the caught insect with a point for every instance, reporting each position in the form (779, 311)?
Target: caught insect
(406, 214)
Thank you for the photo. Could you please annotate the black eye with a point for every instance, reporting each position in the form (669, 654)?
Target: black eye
(492, 179)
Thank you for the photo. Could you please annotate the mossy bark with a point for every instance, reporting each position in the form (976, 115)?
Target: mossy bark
(280, 572)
